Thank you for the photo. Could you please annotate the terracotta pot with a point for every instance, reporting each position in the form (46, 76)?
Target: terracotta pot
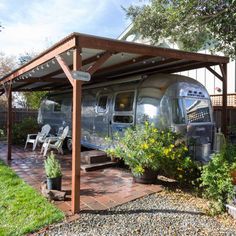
(233, 175)
(148, 177)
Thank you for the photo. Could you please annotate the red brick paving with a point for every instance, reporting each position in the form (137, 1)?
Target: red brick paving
(100, 190)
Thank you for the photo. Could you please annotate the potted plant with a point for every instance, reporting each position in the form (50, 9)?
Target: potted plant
(145, 149)
(53, 172)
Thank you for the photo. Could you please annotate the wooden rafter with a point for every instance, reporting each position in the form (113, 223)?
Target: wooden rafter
(65, 68)
(214, 73)
(123, 64)
(91, 70)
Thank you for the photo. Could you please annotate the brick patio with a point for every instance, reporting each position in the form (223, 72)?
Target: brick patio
(100, 190)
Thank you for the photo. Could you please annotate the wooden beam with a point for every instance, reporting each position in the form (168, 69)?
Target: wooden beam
(63, 46)
(9, 122)
(224, 121)
(91, 70)
(214, 73)
(186, 67)
(76, 135)
(93, 42)
(65, 68)
(123, 64)
(148, 69)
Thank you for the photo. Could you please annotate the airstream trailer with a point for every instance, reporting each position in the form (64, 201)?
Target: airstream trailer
(167, 100)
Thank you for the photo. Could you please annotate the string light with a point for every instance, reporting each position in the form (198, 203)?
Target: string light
(134, 60)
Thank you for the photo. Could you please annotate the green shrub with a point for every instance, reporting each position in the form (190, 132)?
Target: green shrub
(147, 147)
(52, 166)
(216, 179)
(22, 129)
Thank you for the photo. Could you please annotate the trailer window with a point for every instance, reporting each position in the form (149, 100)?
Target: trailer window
(197, 110)
(124, 101)
(177, 111)
(102, 104)
(123, 119)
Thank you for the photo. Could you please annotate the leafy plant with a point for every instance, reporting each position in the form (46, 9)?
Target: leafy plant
(22, 129)
(216, 178)
(192, 24)
(147, 147)
(52, 166)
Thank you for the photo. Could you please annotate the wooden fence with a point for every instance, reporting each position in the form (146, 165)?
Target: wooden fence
(217, 100)
(231, 110)
(17, 116)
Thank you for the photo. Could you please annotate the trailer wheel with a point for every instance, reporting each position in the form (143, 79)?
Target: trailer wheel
(69, 144)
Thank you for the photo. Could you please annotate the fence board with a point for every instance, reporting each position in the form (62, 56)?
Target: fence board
(17, 116)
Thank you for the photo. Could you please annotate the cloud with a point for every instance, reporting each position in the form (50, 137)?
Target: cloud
(33, 25)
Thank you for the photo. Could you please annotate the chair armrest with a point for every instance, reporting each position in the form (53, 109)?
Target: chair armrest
(51, 139)
(31, 135)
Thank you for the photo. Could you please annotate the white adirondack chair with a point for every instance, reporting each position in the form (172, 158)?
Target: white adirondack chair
(39, 137)
(55, 142)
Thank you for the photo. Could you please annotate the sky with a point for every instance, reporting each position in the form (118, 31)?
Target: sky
(34, 25)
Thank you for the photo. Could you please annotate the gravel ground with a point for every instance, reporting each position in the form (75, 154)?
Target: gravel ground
(165, 213)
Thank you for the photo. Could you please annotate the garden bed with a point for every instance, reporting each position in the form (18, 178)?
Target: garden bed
(22, 209)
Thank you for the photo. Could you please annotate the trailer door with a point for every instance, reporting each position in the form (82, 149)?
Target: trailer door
(101, 120)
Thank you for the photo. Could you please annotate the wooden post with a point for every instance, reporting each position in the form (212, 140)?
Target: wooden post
(76, 134)
(224, 121)
(9, 122)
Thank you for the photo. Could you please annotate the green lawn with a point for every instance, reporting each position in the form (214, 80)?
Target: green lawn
(22, 209)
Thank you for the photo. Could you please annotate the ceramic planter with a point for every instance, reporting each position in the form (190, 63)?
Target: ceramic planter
(148, 177)
(54, 183)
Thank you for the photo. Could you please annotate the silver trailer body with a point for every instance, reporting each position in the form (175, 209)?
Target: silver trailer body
(168, 101)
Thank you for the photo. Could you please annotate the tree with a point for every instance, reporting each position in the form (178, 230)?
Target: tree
(193, 24)
(26, 99)
(33, 99)
(7, 64)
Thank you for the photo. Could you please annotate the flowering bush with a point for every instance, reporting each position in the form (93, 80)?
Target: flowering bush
(145, 146)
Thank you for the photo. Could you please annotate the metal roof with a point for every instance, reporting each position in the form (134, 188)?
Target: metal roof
(105, 59)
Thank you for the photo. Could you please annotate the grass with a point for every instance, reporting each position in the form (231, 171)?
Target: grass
(22, 209)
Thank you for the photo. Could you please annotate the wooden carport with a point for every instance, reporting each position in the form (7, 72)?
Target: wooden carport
(105, 59)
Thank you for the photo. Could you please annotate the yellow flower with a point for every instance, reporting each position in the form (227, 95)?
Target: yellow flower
(144, 146)
(166, 151)
(172, 145)
(152, 140)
